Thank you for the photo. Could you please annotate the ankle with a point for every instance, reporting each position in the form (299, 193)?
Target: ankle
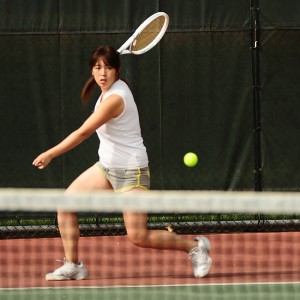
(72, 261)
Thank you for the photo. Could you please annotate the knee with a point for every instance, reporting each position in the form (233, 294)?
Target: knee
(138, 237)
(66, 218)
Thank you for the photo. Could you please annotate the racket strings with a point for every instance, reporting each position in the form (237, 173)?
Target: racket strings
(148, 35)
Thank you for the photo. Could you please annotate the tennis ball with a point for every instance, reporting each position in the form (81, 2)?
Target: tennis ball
(190, 159)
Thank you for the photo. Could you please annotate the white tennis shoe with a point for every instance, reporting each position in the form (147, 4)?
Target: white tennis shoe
(69, 271)
(199, 256)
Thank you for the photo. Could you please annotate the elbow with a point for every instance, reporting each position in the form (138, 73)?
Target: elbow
(83, 134)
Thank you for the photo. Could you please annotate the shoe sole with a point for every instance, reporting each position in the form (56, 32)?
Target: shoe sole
(50, 277)
(206, 245)
(207, 271)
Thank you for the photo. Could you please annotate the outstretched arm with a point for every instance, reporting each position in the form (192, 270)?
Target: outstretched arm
(110, 108)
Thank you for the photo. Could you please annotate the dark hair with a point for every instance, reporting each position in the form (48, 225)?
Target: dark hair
(110, 57)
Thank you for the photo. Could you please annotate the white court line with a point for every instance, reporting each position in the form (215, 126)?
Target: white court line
(150, 286)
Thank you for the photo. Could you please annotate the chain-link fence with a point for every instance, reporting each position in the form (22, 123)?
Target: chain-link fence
(42, 225)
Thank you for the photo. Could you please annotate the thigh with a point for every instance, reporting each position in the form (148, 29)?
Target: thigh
(89, 180)
(136, 226)
(135, 222)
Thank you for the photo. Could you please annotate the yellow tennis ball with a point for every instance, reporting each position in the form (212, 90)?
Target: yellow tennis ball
(190, 159)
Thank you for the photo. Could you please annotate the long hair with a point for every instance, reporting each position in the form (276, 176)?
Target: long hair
(110, 57)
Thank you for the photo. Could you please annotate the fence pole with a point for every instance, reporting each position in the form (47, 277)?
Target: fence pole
(257, 128)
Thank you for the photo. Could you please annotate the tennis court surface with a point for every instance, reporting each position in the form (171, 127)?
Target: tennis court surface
(256, 265)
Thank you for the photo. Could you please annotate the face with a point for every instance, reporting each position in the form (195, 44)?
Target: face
(104, 75)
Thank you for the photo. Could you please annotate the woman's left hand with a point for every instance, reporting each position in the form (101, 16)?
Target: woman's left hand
(42, 161)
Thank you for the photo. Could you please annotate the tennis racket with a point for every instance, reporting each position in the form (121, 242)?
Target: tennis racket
(147, 35)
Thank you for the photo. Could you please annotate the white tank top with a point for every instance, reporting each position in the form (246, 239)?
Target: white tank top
(121, 142)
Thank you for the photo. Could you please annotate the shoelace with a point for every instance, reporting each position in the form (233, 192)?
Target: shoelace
(63, 261)
(68, 268)
(199, 256)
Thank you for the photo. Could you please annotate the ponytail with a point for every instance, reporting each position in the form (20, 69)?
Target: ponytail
(88, 89)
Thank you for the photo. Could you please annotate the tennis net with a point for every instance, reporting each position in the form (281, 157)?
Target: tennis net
(32, 213)
(254, 240)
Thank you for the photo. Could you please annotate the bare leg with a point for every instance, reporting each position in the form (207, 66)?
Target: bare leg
(91, 179)
(69, 232)
(138, 233)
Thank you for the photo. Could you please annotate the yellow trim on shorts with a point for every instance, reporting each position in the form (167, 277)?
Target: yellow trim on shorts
(130, 187)
(99, 169)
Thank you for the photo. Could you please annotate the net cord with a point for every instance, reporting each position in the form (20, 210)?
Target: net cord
(151, 201)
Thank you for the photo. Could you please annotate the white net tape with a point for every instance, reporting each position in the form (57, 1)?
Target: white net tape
(152, 201)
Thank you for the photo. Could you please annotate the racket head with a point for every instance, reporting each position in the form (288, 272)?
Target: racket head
(147, 35)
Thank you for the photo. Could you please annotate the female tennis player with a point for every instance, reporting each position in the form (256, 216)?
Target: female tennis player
(122, 166)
